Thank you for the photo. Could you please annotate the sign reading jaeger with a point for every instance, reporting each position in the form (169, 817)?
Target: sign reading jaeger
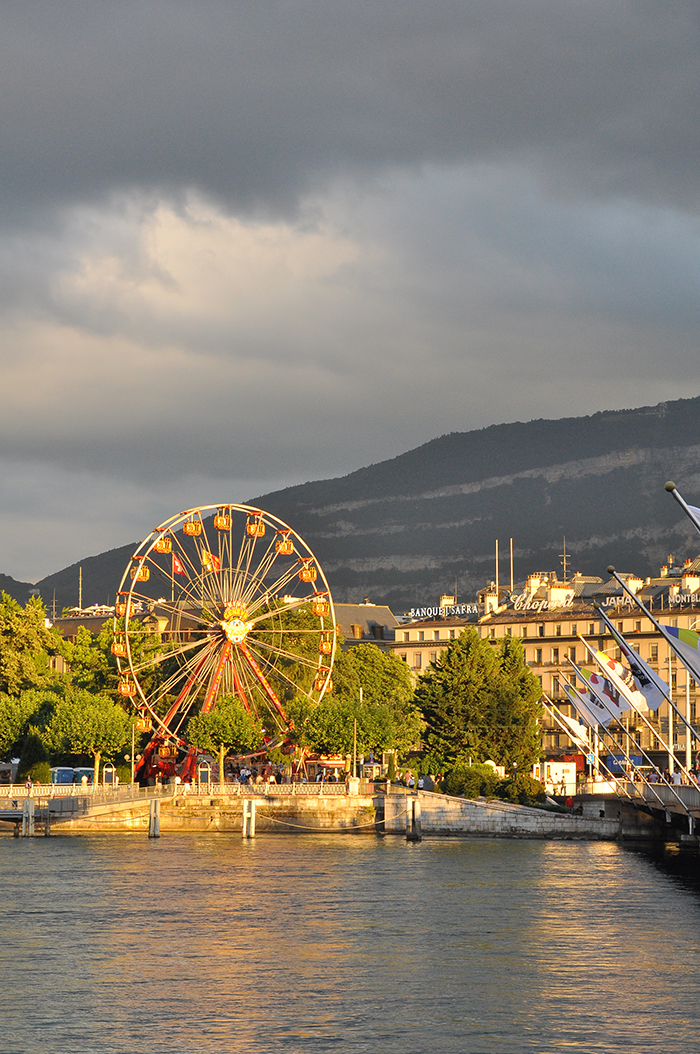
(454, 609)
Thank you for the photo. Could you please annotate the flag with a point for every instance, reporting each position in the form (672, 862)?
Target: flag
(620, 677)
(178, 568)
(211, 562)
(590, 707)
(607, 693)
(576, 730)
(653, 688)
(686, 644)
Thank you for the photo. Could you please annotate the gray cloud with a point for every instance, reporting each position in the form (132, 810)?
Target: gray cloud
(256, 103)
(249, 244)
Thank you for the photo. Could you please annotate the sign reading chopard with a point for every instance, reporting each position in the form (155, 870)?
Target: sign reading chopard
(454, 609)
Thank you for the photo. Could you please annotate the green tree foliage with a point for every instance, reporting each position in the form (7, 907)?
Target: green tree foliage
(386, 717)
(34, 760)
(481, 704)
(471, 781)
(228, 727)
(83, 723)
(17, 713)
(517, 737)
(26, 645)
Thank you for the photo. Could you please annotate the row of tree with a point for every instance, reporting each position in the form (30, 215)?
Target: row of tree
(474, 703)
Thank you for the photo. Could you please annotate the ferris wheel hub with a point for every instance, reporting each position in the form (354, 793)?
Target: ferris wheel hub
(236, 630)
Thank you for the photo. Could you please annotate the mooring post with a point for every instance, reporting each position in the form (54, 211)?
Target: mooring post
(154, 818)
(249, 817)
(413, 825)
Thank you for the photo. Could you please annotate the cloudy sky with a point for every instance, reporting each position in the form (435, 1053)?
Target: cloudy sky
(244, 245)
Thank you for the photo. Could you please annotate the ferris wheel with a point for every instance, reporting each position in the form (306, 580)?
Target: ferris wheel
(240, 607)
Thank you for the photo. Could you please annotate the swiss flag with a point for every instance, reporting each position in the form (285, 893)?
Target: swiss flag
(178, 569)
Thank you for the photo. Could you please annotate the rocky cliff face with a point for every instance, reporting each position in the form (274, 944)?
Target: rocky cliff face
(403, 531)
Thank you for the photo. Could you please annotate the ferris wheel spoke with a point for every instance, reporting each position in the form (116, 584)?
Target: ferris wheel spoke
(248, 686)
(164, 656)
(269, 691)
(277, 672)
(276, 588)
(262, 570)
(303, 660)
(272, 612)
(184, 672)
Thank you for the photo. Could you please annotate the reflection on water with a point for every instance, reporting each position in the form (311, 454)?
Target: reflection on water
(209, 944)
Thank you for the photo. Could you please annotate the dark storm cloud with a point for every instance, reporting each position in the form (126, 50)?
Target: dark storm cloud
(256, 102)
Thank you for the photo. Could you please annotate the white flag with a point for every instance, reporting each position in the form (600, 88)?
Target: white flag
(653, 688)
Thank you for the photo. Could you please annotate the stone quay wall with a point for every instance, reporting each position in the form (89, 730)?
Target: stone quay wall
(447, 816)
(440, 815)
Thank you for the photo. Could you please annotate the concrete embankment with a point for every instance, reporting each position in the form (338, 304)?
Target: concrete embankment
(439, 815)
(457, 817)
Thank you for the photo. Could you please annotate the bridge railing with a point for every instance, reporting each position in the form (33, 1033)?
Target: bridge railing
(100, 794)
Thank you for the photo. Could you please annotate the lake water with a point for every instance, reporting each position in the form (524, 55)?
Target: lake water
(210, 944)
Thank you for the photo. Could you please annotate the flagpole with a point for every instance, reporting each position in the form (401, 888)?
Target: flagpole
(662, 743)
(669, 640)
(657, 680)
(672, 489)
(552, 711)
(652, 786)
(638, 746)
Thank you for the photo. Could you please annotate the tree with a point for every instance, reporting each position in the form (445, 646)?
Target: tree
(34, 761)
(385, 718)
(517, 736)
(480, 704)
(17, 713)
(26, 645)
(456, 698)
(228, 726)
(83, 723)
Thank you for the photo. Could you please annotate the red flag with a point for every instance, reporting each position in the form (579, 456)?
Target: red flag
(178, 569)
(216, 563)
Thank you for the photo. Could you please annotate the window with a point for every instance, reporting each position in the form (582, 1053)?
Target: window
(673, 681)
(555, 684)
(403, 656)
(620, 627)
(574, 629)
(618, 654)
(557, 631)
(433, 656)
(555, 655)
(638, 627)
(436, 634)
(538, 657)
(492, 633)
(524, 631)
(540, 630)
(421, 635)
(654, 652)
(674, 622)
(453, 634)
(407, 635)
(417, 660)
(591, 628)
(572, 654)
(509, 631)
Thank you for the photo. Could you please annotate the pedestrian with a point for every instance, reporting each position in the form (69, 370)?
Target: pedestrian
(570, 803)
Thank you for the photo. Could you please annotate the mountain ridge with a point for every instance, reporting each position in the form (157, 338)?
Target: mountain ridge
(403, 530)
